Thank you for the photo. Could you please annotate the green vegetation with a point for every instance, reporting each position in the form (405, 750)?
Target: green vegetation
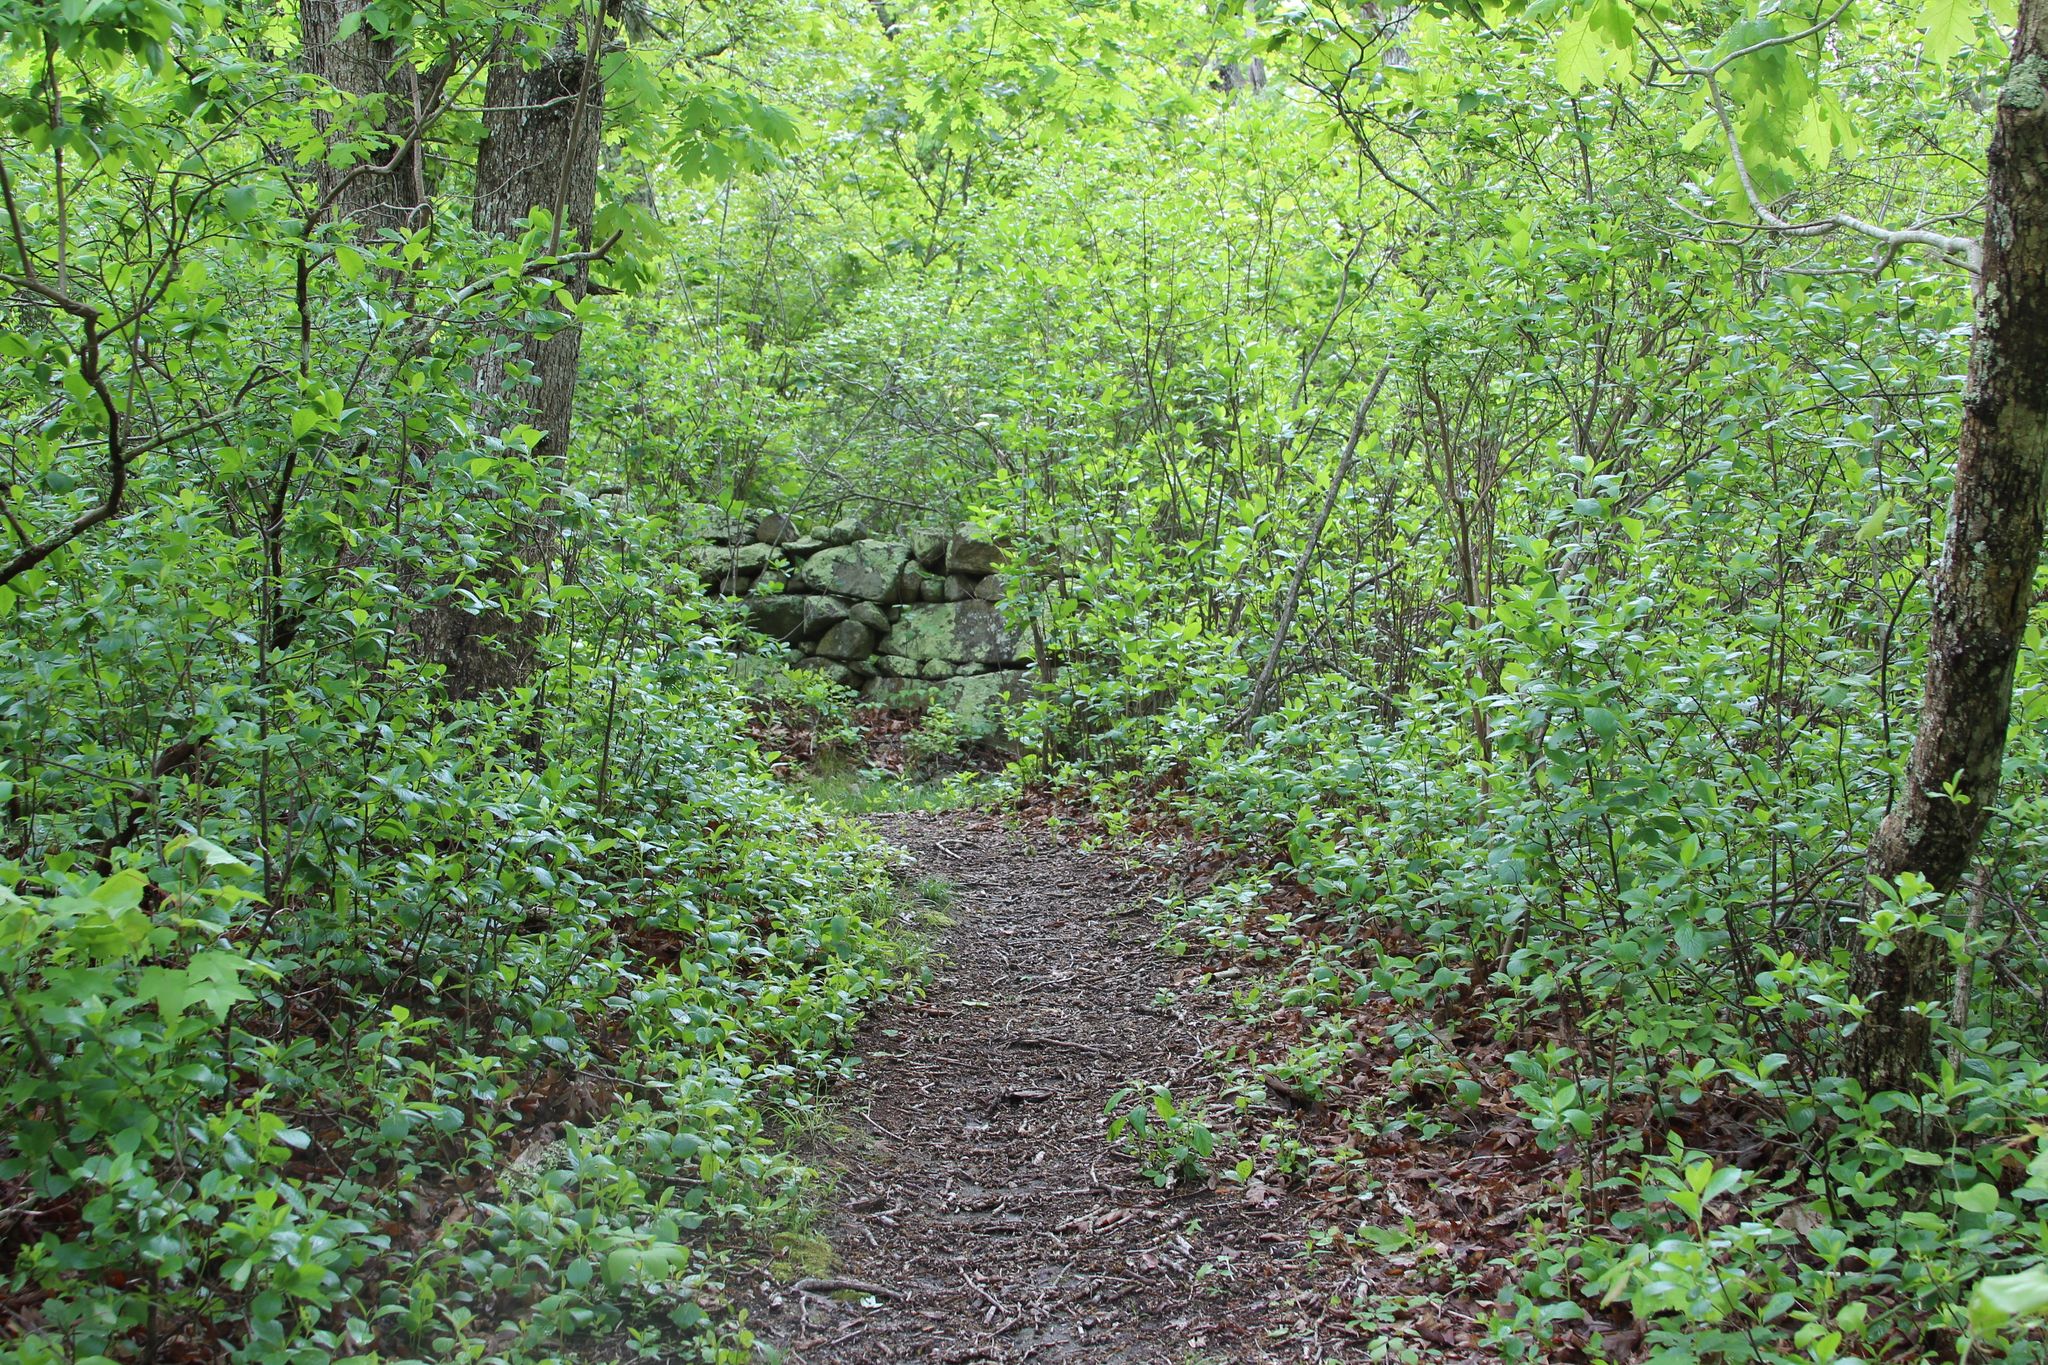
(1548, 492)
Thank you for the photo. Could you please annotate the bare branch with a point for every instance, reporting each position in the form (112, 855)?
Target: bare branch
(1969, 248)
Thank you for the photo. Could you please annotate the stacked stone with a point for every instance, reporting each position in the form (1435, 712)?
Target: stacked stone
(914, 621)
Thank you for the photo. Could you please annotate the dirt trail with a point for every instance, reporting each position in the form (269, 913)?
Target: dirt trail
(978, 1201)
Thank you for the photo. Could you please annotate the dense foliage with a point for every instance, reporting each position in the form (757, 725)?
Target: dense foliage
(1471, 464)
(1608, 640)
(346, 1018)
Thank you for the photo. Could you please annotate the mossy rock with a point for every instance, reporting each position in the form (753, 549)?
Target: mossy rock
(928, 548)
(714, 562)
(794, 616)
(959, 632)
(904, 693)
(849, 640)
(831, 668)
(972, 552)
(979, 702)
(866, 569)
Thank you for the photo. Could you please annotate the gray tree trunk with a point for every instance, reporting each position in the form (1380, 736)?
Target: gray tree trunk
(1983, 586)
(367, 67)
(540, 150)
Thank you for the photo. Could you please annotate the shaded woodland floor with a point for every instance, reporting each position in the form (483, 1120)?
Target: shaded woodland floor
(981, 1215)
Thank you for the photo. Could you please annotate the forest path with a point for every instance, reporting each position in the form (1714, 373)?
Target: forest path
(977, 1199)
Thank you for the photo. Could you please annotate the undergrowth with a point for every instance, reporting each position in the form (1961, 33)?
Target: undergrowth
(491, 1065)
(1533, 1024)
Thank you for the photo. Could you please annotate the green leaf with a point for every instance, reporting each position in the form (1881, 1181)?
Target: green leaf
(211, 855)
(239, 204)
(1948, 25)
(1979, 1198)
(2000, 1299)
(1596, 47)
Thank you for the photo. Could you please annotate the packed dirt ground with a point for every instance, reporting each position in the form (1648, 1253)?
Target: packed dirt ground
(981, 1215)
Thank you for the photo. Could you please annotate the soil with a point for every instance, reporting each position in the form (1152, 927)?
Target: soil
(981, 1213)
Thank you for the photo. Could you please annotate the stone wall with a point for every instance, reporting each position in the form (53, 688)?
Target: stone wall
(908, 620)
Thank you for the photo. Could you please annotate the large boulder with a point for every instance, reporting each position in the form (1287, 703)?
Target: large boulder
(849, 640)
(928, 548)
(866, 569)
(960, 632)
(973, 552)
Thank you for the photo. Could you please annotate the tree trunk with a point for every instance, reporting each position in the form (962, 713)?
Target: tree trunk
(367, 67)
(1982, 587)
(540, 150)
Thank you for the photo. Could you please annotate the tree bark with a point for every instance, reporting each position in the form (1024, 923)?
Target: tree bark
(542, 134)
(1983, 585)
(369, 68)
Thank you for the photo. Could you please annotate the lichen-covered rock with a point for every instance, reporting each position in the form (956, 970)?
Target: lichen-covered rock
(928, 548)
(970, 632)
(713, 562)
(871, 616)
(908, 586)
(802, 548)
(844, 531)
(931, 587)
(774, 529)
(978, 702)
(935, 669)
(889, 666)
(990, 589)
(959, 588)
(973, 552)
(779, 616)
(823, 613)
(847, 641)
(794, 616)
(866, 569)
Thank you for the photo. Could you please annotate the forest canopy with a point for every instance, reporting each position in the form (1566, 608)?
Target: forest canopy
(1549, 495)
